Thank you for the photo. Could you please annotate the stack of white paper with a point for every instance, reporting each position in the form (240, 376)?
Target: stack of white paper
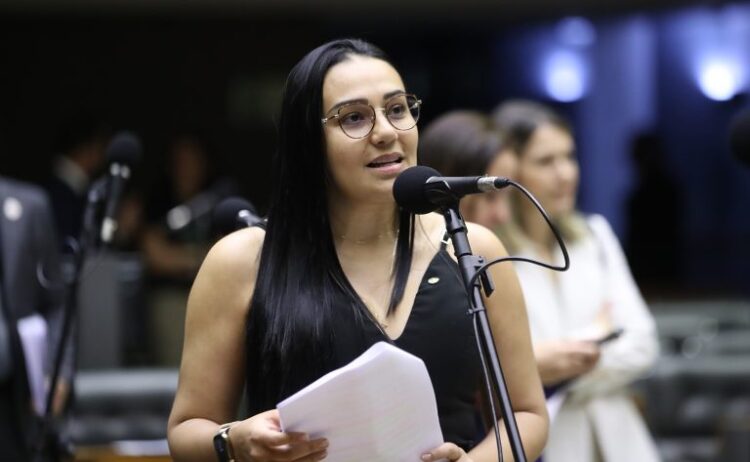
(379, 407)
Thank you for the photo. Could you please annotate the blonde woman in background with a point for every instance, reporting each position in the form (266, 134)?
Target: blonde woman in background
(570, 312)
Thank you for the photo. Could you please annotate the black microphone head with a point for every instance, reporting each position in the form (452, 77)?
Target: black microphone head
(409, 189)
(125, 148)
(739, 136)
(224, 218)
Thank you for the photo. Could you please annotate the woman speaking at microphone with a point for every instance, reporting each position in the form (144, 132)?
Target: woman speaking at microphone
(338, 269)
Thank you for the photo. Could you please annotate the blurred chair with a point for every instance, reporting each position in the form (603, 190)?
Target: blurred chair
(685, 327)
(110, 311)
(697, 398)
(113, 407)
(116, 411)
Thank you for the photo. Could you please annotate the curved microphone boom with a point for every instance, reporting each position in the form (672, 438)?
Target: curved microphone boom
(233, 213)
(123, 151)
(423, 190)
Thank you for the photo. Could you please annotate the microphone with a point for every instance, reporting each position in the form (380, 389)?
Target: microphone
(123, 151)
(233, 213)
(199, 205)
(423, 190)
(739, 137)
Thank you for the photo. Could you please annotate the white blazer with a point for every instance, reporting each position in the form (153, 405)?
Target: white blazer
(597, 420)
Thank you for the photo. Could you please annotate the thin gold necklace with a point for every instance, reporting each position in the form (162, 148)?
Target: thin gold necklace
(382, 324)
(371, 240)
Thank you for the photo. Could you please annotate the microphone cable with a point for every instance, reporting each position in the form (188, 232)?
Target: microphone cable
(483, 269)
(566, 258)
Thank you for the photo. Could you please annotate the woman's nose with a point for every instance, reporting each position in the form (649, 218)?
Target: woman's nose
(382, 130)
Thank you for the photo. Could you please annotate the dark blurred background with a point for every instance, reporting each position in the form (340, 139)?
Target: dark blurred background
(623, 71)
(651, 88)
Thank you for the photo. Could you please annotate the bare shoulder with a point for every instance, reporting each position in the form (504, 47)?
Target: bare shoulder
(228, 272)
(484, 242)
(236, 252)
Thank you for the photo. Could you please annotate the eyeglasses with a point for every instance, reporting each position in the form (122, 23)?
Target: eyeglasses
(358, 119)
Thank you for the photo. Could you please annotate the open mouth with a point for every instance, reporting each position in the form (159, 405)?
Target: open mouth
(385, 161)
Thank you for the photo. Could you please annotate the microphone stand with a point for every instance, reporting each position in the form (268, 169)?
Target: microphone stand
(469, 265)
(47, 443)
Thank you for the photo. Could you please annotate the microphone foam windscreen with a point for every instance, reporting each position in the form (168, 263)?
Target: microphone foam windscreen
(224, 216)
(125, 148)
(739, 136)
(409, 189)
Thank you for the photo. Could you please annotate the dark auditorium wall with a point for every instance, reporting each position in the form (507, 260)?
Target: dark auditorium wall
(222, 76)
(223, 73)
(152, 76)
(644, 81)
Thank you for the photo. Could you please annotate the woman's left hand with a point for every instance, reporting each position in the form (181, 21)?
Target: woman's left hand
(447, 451)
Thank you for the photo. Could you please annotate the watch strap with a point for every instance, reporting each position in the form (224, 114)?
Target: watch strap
(222, 445)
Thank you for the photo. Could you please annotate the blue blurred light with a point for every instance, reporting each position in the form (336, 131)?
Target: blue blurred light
(576, 31)
(719, 79)
(714, 45)
(564, 76)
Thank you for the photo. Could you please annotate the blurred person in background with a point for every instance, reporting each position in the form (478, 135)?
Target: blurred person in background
(81, 146)
(653, 240)
(175, 239)
(466, 143)
(340, 268)
(31, 308)
(568, 312)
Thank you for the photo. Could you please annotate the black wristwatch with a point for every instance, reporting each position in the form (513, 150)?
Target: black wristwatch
(221, 444)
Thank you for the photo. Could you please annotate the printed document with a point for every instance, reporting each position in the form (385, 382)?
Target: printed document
(379, 407)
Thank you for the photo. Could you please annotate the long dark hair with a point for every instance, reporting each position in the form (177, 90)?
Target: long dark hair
(300, 279)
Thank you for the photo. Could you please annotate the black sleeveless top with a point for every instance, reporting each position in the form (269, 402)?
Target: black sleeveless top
(438, 331)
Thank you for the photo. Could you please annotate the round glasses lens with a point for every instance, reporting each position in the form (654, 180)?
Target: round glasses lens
(356, 120)
(403, 111)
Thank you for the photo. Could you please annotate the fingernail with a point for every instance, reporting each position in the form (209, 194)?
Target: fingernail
(426, 456)
(323, 455)
(322, 444)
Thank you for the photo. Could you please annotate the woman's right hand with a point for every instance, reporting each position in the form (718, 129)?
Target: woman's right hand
(561, 360)
(260, 439)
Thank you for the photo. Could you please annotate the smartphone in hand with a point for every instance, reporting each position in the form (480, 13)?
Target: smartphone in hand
(616, 333)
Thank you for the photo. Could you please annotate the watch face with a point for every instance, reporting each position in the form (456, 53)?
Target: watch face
(220, 446)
